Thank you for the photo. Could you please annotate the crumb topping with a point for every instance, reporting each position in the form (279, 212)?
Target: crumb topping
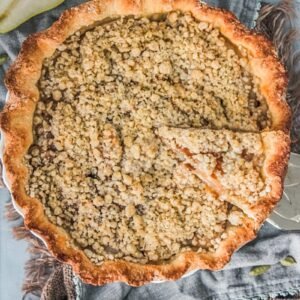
(97, 163)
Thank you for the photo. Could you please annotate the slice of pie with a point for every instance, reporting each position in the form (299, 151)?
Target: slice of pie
(238, 166)
(145, 139)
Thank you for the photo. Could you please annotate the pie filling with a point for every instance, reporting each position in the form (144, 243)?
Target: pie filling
(107, 161)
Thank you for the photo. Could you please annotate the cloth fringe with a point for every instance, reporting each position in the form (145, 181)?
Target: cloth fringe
(276, 23)
(49, 279)
(41, 265)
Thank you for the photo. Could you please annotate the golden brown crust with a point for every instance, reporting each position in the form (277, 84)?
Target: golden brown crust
(16, 123)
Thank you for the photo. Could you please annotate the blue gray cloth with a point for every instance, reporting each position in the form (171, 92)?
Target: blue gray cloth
(234, 282)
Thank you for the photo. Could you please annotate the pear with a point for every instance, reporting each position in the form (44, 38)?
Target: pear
(15, 12)
(3, 59)
(4, 6)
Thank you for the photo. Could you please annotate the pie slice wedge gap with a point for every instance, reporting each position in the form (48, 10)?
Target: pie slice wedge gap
(243, 168)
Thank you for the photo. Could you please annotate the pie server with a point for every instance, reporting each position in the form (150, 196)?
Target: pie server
(286, 215)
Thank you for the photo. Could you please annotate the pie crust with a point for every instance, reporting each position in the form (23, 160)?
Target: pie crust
(17, 122)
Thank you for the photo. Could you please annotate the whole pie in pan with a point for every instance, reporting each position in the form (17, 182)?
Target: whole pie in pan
(145, 139)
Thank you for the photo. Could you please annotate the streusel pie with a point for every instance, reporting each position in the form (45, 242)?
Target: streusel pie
(145, 139)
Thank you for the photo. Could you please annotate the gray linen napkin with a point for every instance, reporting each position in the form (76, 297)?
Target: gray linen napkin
(232, 283)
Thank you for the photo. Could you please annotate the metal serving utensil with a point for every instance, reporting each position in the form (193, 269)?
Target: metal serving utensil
(286, 215)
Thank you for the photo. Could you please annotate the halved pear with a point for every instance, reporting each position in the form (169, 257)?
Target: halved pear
(4, 6)
(15, 12)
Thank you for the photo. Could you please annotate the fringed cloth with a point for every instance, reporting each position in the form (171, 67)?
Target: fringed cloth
(45, 276)
(276, 23)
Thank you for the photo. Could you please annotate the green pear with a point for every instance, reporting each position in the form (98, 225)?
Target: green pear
(15, 12)
(4, 6)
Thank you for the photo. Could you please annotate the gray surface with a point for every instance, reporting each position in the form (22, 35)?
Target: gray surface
(12, 258)
(234, 283)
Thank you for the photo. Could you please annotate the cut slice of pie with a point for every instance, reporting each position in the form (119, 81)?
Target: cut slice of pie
(238, 166)
(90, 100)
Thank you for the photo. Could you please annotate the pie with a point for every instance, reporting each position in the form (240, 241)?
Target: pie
(145, 139)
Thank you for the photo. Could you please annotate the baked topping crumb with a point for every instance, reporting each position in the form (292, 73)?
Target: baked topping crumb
(97, 163)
